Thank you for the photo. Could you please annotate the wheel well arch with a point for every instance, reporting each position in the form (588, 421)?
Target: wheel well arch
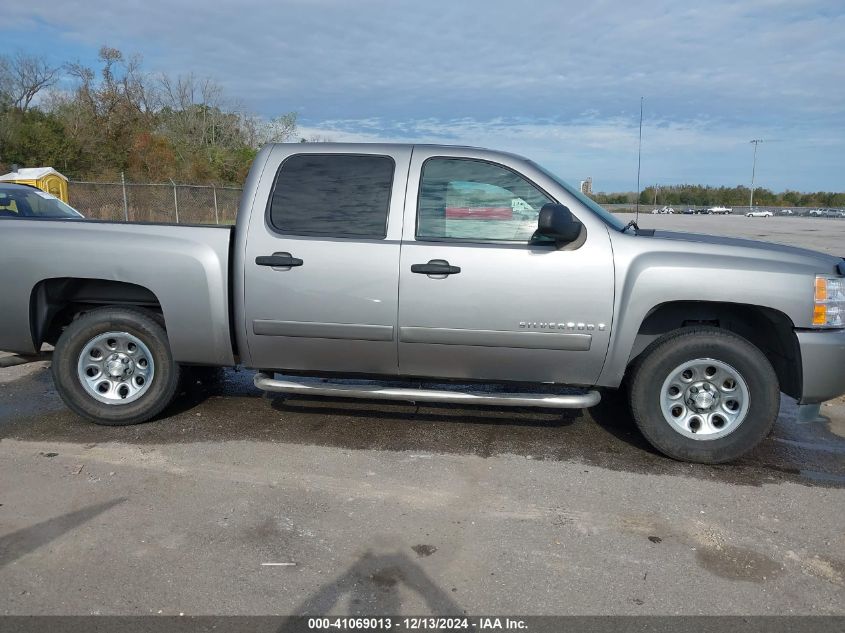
(55, 302)
(770, 330)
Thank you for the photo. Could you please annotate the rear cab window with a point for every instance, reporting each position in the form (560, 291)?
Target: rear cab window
(332, 195)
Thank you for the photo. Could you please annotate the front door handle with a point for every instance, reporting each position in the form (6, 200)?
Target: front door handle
(435, 267)
(278, 260)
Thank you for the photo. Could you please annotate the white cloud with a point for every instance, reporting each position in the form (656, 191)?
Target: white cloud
(484, 55)
(606, 149)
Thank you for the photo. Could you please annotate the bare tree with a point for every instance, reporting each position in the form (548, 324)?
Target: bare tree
(5, 82)
(195, 113)
(23, 76)
(316, 138)
(280, 129)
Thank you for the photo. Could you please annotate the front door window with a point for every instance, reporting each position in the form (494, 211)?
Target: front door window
(473, 200)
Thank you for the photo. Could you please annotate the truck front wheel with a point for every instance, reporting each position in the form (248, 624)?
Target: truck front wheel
(704, 395)
(113, 366)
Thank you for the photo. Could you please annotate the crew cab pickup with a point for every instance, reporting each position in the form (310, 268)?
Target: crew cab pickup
(349, 261)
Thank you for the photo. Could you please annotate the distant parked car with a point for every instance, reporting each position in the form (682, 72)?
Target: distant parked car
(834, 213)
(759, 214)
(663, 211)
(816, 212)
(25, 201)
(786, 212)
(720, 210)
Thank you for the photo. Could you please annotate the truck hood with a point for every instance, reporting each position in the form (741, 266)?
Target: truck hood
(776, 251)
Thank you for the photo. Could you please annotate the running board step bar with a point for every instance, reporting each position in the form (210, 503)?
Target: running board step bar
(583, 400)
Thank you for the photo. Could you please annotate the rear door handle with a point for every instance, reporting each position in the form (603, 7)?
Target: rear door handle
(435, 267)
(278, 260)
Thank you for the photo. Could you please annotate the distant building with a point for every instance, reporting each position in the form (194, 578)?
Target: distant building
(587, 186)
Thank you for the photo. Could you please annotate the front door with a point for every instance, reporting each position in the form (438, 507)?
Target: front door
(321, 271)
(478, 298)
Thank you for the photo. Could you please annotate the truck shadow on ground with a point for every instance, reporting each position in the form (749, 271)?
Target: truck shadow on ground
(226, 406)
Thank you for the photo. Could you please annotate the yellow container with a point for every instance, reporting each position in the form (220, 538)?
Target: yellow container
(45, 178)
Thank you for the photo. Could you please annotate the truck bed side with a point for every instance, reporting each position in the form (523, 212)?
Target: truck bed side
(181, 270)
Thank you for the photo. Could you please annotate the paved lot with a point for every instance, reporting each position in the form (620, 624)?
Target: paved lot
(821, 234)
(395, 508)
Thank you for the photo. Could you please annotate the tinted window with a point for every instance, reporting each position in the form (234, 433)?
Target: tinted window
(334, 195)
(475, 200)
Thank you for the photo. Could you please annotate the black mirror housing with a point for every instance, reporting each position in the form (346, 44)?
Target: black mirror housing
(556, 221)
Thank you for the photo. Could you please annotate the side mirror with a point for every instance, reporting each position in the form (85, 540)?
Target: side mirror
(556, 221)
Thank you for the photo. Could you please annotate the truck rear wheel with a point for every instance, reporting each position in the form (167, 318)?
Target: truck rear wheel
(704, 395)
(113, 366)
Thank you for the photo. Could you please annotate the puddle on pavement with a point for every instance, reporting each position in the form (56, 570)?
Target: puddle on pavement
(712, 551)
(737, 563)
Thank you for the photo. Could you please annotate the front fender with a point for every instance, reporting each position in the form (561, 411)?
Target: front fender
(651, 272)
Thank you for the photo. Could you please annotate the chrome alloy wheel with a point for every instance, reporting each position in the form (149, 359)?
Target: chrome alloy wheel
(115, 368)
(704, 399)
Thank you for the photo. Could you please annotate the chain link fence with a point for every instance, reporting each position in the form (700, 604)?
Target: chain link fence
(204, 204)
(131, 202)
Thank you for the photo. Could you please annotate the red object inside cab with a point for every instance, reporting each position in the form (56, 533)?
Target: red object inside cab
(479, 213)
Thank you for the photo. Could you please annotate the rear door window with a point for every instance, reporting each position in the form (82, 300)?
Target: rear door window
(333, 195)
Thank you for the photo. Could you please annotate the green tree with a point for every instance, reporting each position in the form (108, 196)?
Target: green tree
(34, 137)
(117, 118)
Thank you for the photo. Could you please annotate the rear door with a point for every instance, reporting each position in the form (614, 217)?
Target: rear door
(321, 267)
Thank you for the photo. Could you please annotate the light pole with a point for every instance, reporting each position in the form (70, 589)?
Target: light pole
(756, 142)
(639, 159)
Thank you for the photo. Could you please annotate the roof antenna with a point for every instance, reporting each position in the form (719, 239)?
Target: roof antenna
(639, 160)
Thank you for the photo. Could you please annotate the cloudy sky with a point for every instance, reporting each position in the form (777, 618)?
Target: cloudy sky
(555, 80)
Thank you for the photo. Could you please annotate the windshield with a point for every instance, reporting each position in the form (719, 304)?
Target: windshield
(588, 202)
(25, 202)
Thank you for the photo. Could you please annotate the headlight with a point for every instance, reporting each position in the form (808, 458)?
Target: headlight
(829, 306)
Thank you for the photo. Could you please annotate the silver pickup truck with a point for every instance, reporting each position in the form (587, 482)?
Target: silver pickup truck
(429, 264)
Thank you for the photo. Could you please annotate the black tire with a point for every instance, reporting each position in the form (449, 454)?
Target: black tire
(655, 364)
(144, 325)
